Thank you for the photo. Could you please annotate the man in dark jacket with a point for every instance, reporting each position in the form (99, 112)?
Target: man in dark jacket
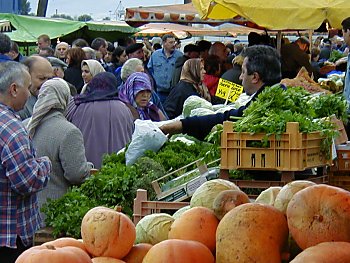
(190, 51)
(261, 67)
(294, 57)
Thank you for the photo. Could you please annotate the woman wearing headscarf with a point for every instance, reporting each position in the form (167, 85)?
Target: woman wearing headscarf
(89, 69)
(133, 65)
(105, 122)
(136, 94)
(57, 138)
(190, 84)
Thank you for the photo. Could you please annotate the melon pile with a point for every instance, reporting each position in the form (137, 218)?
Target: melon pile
(300, 222)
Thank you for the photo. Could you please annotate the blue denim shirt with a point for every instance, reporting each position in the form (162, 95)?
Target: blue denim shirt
(346, 91)
(162, 68)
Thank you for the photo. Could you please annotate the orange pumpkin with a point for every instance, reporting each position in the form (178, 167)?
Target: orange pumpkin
(65, 242)
(137, 253)
(319, 213)
(49, 253)
(175, 251)
(107, 233)
(106, 260)
(198, 224)
(252, 232)
(327, 252)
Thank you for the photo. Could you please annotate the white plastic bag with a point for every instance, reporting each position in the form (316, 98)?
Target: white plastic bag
(146, 136)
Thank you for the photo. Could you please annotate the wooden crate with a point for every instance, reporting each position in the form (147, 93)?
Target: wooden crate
(340, 179)
(143, 207)
(291, 151)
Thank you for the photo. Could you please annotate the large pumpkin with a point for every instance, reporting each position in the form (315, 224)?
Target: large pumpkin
(319, 213)
(65, 242)
(137, 253)
(49, 253)
(106, 260)
(327, 252)
(107, 233)
(198, 224)
(251, 233)
(179, 251)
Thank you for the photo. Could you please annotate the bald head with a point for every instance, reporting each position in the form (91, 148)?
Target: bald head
(40, 70)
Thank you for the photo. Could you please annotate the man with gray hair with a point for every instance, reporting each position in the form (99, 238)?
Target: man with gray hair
(22, 175)
(5, 47)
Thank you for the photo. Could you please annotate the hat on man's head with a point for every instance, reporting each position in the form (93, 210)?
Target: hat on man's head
(56, 62)
(133, 47)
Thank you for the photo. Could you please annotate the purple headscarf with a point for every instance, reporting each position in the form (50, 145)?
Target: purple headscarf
(135, 83)
(102, 87)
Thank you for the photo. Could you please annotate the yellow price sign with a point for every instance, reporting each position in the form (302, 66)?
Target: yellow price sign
(228, 90)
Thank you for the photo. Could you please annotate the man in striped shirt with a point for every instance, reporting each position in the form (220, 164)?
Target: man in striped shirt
(22, 175)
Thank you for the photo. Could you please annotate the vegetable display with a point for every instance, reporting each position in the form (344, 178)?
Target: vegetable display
(116, 184)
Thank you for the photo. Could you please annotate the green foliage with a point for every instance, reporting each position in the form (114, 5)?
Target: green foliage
(62, 16)
(335, 55)
(328, 105)
(65, 214)
(174, 155)
(84, 18)
(25, 7)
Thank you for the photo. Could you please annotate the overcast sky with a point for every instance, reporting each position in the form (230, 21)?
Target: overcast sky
(98, 9)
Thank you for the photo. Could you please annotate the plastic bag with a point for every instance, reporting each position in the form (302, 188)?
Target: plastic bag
(146, 136)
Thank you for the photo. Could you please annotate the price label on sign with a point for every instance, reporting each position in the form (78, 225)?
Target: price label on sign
(228, 90)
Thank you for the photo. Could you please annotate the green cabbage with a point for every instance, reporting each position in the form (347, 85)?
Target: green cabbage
(153, 228)
(195, 102)
(268, 196)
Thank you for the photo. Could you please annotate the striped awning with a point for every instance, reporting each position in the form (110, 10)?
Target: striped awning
(179, 14)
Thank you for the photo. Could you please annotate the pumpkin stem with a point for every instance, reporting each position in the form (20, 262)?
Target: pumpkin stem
(318, 218)
(50, 247)
(118, 208)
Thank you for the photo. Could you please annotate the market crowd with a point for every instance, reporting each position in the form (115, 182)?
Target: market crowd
(64, 107)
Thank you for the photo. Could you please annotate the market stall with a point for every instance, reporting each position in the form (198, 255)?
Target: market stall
(28, 28)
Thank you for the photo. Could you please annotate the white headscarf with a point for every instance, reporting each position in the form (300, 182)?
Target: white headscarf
(95, 67)
(53, 94)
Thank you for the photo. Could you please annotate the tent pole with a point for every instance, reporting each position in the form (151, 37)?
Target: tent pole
(310, 32)
(279, 41)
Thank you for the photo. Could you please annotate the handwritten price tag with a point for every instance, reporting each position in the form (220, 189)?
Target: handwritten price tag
(228, 90)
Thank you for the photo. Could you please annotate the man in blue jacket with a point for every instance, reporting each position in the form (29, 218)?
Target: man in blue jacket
(162, 64)
(261, 67)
